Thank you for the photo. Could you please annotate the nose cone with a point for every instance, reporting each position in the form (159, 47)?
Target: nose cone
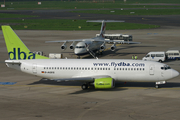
(76, 51)
(79, 51)
(175, 73)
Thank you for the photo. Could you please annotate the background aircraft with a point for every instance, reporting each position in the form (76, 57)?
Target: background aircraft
(92, 45)
(100, 73)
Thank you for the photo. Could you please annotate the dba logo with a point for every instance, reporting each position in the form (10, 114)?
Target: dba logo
(20, 54)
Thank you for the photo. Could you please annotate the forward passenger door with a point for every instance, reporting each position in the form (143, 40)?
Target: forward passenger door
(151, 70)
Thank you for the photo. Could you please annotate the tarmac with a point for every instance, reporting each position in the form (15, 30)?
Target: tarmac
(27, 97)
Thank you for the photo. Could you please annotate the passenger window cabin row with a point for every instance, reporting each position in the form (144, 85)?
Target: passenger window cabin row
(75, 68)
(129, 69)
(88, 68)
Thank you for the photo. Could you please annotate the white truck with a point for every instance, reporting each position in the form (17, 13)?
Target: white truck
(173, 54)
(155, 56)
(117, 37)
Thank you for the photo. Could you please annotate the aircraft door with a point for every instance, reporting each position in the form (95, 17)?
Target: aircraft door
(162, 74)
(34, 68)
(151, 70)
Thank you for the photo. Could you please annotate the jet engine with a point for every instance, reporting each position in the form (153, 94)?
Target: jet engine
(104, 83)
(113, 47)
(64, 46)
(103, 47)
(72, 46)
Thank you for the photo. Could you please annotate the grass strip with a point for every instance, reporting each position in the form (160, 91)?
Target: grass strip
(59, 24)
(134, 12)
(26, 5)
(7, 15)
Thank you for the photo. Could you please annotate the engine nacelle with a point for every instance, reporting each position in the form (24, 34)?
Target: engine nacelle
(113, 47)
(104, 83)
(103, 47)
(72, 46)
(64, 46)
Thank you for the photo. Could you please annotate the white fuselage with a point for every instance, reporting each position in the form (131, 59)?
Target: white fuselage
(118, 69)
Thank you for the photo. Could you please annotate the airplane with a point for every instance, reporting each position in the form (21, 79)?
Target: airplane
(92, 45)
(101, 73)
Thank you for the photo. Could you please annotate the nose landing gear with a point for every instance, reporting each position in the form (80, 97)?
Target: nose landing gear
(159, 83)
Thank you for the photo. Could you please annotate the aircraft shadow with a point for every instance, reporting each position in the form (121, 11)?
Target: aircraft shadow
(52, 82)
(117, 86)
(147, 84)
(90, 89)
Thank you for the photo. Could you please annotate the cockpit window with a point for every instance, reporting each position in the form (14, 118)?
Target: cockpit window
(80, 46)
(165, 67)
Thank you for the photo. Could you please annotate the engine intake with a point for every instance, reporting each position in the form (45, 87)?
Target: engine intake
(103, 47)
(72, 46)
(113, 47)
(64, 46)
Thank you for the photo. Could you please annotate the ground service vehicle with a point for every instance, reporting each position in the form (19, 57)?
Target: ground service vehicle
(173, 55)
(155, 56)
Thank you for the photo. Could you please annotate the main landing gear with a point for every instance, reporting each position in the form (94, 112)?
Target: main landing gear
(157, 86)
(84, 86)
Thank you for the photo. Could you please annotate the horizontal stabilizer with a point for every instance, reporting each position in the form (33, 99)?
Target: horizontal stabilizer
(13, 61)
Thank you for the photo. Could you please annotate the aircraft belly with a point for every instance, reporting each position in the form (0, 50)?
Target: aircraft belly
(135, 78)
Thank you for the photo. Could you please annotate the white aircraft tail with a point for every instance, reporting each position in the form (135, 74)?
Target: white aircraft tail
(103, 26)
(103, 29)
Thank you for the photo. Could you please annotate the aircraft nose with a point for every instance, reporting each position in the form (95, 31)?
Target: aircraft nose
(175, 73)
(78, 51)
(75, 51)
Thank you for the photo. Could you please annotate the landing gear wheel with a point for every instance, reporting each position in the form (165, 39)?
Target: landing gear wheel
(157, 86)
(84, 86)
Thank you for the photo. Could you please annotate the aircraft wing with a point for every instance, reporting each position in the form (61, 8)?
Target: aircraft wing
(59, 41)
(82, 79)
